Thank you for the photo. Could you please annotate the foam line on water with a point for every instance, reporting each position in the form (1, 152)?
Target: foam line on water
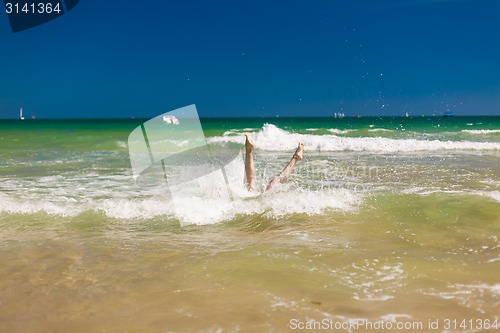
(273, 138)
(196, 210)
(380, 130)
(339, 131)
(481, 131)
(494, 195)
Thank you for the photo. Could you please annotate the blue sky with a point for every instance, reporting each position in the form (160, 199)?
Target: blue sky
(260, 58)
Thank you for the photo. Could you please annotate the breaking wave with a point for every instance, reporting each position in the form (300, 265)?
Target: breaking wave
(273, 138)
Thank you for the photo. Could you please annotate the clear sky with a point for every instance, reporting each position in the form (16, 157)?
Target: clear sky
(123, 58)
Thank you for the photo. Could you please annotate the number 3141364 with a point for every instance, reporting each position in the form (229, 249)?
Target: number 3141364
(32, 8)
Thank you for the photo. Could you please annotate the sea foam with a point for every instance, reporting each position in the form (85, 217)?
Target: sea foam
(194, 210)
(481, 131)
(273, 138)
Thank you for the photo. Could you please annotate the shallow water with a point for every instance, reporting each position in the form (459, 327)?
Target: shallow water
(409, 255)
(387, 236)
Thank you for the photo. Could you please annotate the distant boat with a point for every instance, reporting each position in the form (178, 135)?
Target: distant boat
(21, 114)
(448, 114)
(171, 120)
(406, 114)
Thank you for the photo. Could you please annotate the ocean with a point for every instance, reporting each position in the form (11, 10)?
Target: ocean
(391, 221)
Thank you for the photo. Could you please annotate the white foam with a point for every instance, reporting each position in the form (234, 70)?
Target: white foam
(469, 295)
(114, 208)
(373, 280)
(18, 206)
(193, 210)
(414, 190)
(131, 209)
(495, 195)
(338, 131)
(121, 144)
(228, 133)
(272, 138)
(379, 130)
(272, 205)
(116, 196)
(281, 203)
(481, 131)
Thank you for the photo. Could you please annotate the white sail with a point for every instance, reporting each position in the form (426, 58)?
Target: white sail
(21, 114)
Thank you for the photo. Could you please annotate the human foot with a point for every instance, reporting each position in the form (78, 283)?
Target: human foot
(249, 145)
(298, 152)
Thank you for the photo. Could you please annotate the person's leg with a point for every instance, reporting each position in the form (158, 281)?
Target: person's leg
(249, 167)
(283, 176)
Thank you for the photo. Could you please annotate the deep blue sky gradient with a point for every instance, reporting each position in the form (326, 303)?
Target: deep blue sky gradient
(256, 58)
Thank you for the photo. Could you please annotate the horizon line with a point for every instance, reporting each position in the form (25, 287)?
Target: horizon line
(258, 117)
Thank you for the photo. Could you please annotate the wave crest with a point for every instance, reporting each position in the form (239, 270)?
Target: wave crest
(198, 211)
(273, 138)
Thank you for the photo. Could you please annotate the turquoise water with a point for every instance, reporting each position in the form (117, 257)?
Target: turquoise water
(385, 219)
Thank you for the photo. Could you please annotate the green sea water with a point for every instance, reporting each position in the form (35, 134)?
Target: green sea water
(389, 220)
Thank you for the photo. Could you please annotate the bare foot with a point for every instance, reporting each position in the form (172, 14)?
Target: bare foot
(298, 152)
(248, 142)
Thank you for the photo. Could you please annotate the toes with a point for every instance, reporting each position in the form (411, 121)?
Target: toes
(248, 141)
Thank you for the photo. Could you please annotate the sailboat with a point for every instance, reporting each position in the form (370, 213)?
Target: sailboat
(21, 114)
